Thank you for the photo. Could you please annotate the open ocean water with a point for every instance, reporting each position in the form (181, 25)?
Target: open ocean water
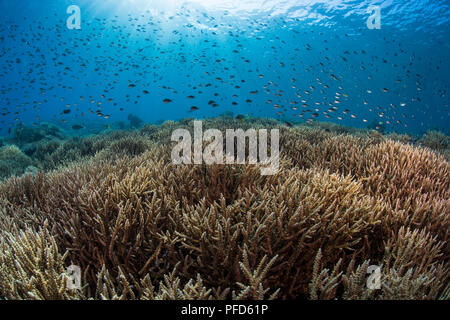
(291, 60)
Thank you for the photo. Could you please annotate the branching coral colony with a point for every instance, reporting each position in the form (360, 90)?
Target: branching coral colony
(140, 227)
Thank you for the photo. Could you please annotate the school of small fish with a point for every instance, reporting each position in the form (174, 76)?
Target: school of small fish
(194, 60)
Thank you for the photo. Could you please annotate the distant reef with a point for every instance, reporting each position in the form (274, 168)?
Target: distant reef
(139, 227)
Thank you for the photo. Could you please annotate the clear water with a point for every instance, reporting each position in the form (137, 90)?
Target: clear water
(302, 60)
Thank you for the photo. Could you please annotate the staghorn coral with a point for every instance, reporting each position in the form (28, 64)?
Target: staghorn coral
(409, 271)
(31, 267)
(413, 181)
(141, 227)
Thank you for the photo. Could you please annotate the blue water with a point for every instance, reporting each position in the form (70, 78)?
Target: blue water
(321, 52)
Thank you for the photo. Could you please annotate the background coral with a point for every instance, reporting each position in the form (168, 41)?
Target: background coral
(13, 161)
(437, 141)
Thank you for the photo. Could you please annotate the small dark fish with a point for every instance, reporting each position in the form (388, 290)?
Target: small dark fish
(194, 108)
(66, 111)
(240, 117)
(77, 127)
(167, 101)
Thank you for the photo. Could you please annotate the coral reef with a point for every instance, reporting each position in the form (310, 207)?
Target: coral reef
(141, 227)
